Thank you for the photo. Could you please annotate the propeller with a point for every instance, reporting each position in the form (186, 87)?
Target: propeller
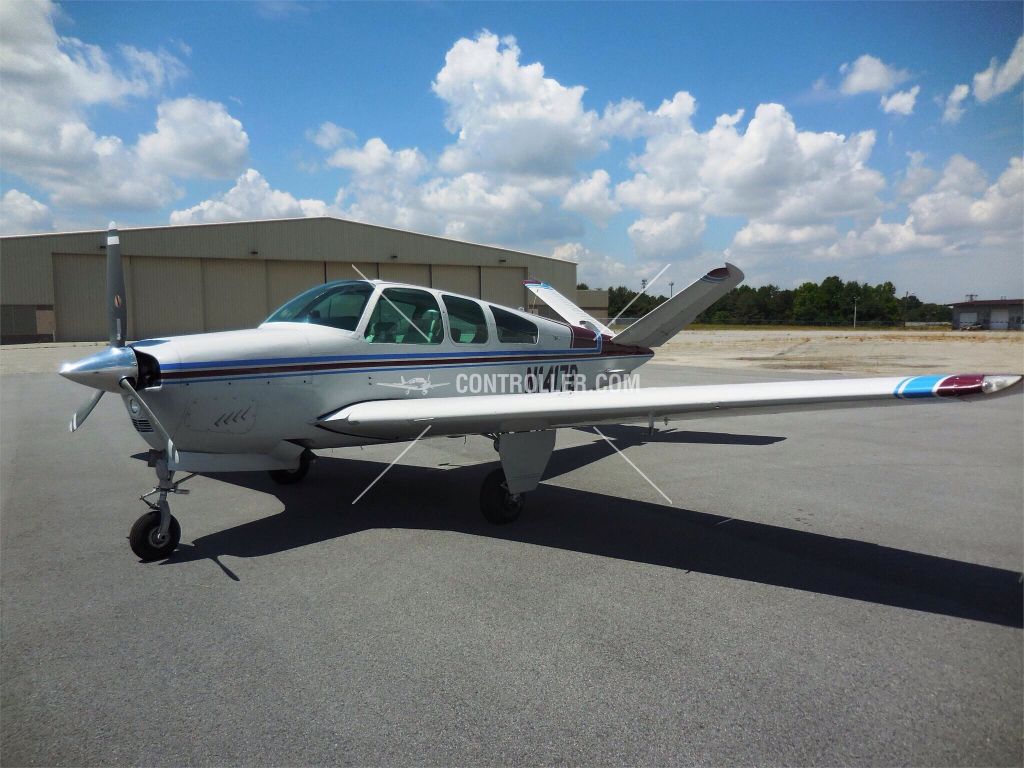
(116, 304)
(105, 370)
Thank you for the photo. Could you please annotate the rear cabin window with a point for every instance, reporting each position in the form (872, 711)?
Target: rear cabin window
(466, 320)
(337, 305)
(405, 316)
(513, 329)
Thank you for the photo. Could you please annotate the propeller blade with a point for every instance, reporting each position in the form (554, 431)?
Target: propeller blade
(116, 303)
(83, 412)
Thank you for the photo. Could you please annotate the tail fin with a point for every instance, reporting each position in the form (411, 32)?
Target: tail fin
(563, 307)
(666, 320)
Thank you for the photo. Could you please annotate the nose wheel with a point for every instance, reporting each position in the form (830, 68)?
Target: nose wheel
(147, 541)
(156, 534)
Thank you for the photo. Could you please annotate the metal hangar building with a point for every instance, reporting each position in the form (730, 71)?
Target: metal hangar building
(212, 277)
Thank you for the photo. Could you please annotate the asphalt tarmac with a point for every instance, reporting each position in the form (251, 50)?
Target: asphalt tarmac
(831, 588)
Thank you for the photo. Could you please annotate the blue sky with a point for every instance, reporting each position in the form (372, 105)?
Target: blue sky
(593, 132)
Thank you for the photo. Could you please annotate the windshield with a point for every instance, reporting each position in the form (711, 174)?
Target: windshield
(337, 305)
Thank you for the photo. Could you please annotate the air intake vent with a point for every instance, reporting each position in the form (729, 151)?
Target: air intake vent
(142, 425)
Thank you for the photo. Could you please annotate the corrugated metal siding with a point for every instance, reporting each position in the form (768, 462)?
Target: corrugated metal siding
(592, 299)
(25, 274)
(80, 297)
(465, 280)
(286, 279)
(504, 285)
(417, 274)
(559, 274)
(166, 297)
(234, 294)
(338, 270)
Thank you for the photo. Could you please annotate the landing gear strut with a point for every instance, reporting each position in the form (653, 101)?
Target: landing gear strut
(155, 535)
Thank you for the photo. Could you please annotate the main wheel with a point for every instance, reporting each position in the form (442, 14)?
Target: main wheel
(498, 505)
(289, 476)
(144, 539)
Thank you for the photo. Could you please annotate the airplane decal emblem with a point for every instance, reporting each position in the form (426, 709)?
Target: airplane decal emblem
(417, 384)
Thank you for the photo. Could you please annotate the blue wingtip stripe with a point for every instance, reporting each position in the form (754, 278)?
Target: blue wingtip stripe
(919, 386)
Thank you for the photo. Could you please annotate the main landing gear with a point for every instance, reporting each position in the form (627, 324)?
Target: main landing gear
(156, 534)
(524, 457)
(496, 502)
(290, 476)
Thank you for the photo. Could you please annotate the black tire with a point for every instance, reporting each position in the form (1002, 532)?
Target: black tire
(289, 476)
(498, 505)
(142, 538)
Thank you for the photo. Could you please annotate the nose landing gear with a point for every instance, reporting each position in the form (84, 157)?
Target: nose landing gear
(156, 534)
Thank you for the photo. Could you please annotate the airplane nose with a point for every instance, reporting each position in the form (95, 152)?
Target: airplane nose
(104, 370)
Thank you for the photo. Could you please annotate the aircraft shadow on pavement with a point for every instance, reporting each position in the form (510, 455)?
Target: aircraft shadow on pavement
(320, 508)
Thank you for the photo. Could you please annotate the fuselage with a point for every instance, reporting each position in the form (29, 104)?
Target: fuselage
(245, 391)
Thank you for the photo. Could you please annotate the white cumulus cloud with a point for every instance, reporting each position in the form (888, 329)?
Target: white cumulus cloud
(869, 74)
(901, 102)
(47, 84)
(250, 198)
(195, 139)
(954, 110)
(591, 197)
(21, 214)
(999, 78)
(510, 117)
(375, 160)
(330, 135)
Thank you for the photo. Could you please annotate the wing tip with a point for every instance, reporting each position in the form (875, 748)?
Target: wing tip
(721, 274)
(1000, 382)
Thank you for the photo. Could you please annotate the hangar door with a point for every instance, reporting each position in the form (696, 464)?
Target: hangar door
(80, 297)
(504, 285)
(287, 279)
(459, 279)
(166, 297)
(417, 274)
(346, 270)
(234, 294)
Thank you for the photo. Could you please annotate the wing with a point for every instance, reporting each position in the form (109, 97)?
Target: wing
(563, 307)
(667, 319)
(488, 414)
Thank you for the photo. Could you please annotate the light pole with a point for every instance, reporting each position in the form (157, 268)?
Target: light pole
(671, 289)
(855, 311)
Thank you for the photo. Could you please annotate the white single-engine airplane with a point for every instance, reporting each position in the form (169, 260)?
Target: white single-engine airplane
(311, 377)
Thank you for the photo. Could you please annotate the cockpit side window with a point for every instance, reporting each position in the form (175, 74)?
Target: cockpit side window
(336, 305)
(513, 329)
(465, 320)
(405, 316)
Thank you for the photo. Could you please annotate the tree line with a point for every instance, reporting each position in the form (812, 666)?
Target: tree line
(830, 302)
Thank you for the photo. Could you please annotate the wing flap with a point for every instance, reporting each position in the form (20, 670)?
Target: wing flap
(667, 319)
(485, 414)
